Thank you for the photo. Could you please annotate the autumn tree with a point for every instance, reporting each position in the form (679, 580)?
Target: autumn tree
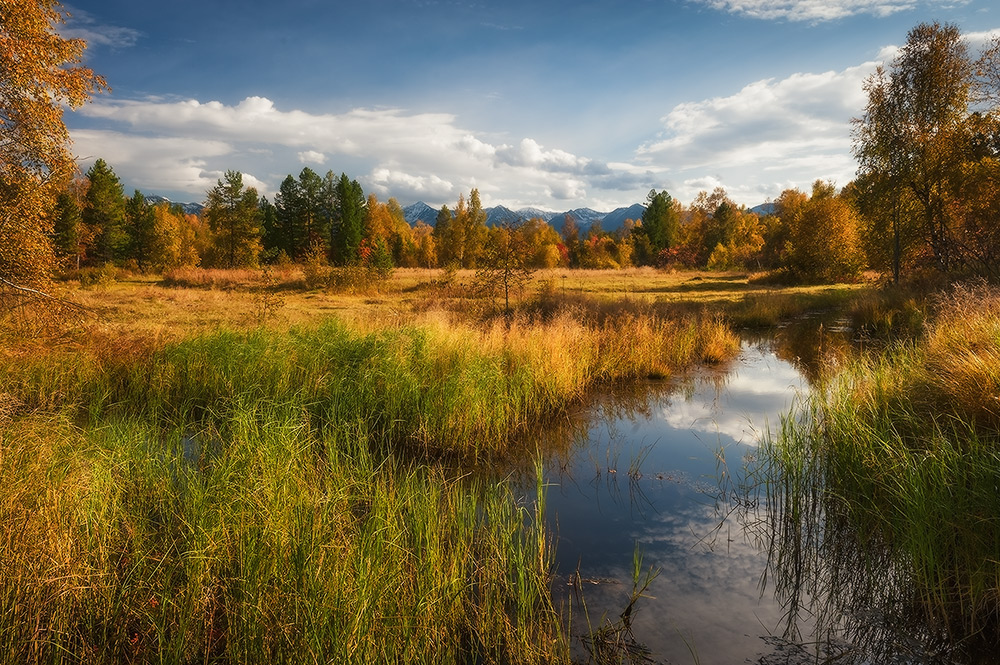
(39, 76)
(442, 236)
(475, 233)
(424, 247)
(167, 247)
(740, 238)
(233, 213)
(914, 137)
(452, 242)
(544, 244)
(504, 264)
(823, 241)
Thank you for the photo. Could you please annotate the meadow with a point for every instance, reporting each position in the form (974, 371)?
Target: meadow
(230, 466)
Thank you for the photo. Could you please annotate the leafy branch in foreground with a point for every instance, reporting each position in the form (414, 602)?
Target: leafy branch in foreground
(40, 75)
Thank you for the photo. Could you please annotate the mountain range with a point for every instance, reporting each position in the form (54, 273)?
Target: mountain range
(497, 215)
(189, 208)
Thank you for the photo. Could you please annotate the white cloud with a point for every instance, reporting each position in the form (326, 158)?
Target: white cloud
(175, 164)
(815, 11)
(406, 186)
(81, 25)
(312, 157)
(792, 129)
(771, 134)
(529, 153)
(407, 155)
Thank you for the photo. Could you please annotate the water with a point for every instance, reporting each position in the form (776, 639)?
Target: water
(662, 473)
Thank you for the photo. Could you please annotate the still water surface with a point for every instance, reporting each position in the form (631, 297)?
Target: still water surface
(662, 472)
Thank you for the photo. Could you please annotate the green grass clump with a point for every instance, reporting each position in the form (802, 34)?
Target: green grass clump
(453, 387)
(128, 543)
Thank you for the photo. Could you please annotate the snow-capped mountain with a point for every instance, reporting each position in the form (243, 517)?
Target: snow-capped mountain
(189, 208)
(420, 212)
(584, 217)
(616, 219)
(499, 215)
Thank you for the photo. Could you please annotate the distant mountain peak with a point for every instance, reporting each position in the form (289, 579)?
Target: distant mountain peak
(420, 212)
(188, 208)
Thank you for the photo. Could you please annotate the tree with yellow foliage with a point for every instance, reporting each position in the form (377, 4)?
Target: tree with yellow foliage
(39, 74)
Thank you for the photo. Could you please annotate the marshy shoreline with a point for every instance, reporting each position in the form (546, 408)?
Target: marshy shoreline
(326, 515)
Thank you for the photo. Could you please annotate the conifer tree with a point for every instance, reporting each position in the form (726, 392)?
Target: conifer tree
(233, 213)
(104, 213)
(350, 225)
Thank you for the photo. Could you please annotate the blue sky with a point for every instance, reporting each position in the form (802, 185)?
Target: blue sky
(555, 104)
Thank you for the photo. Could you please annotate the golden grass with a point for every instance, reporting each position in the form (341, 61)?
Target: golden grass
(195, 301)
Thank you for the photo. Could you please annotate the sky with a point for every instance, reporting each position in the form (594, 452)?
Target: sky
(553, 104)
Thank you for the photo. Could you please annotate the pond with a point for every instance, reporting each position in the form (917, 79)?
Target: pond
(660, 474)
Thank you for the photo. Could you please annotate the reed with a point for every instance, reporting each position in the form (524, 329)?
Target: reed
(279, 494)
(439, 384)
(129, 543)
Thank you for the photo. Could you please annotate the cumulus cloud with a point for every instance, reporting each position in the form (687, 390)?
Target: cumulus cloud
(771, 134)
(312, 157)
(175, 164)
(816, 11)
(409, 155)
(529, 153)
(788, 129)
(406, 186)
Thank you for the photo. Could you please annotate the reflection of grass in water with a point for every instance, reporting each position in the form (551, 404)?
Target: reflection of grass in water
(886, 501)
(611, 641)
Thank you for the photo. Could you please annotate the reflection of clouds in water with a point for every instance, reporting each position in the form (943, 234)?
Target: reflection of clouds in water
(751, 399)
(707, 595)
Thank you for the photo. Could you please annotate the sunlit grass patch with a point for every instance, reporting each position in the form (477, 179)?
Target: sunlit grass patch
(898, 467)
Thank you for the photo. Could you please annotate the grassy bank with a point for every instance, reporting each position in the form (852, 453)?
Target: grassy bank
(129, 543)
(441, 384)
(891, 484)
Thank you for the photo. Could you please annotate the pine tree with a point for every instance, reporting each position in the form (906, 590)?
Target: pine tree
(104, 214)
(350, 226)
(233, 213)
(68, 231)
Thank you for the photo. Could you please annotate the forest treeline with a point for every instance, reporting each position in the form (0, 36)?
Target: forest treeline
(329, 218)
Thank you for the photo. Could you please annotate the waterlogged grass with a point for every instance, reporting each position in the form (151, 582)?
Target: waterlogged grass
(892, 482)
(443, 385)
(128, 543)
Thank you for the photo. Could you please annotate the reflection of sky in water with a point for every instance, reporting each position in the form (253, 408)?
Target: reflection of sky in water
(755, 394)
(707, 595)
